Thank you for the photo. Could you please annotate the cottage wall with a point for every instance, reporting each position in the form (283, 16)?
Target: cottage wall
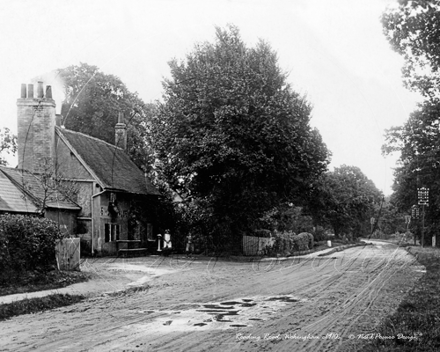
(122, 220)
(65, 219)
(68, 164)
(96, 243)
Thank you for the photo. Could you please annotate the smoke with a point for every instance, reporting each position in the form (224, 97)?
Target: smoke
(53, 79)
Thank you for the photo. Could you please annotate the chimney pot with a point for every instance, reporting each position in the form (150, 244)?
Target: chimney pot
(48, 92)
(23, 91)
(30, 91)
(121, 132)
(40, 93)
(120, 117)
(35, 129)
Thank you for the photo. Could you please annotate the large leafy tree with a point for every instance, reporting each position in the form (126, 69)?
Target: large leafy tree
(232, 135)
(92, 102)
(413, 31)
(391, 219)
(419, 162)
(346, 200)
(8, 144)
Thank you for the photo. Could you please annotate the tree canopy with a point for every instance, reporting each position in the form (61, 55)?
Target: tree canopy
(345, 199)
(413, 31)
(418, 141)
(92, 102)
(8, 144)
(232, 134)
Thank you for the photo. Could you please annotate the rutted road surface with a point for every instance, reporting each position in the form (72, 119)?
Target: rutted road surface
(308, 304)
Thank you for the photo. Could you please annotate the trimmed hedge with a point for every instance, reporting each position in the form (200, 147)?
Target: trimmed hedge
(27, 243)
(287, 243)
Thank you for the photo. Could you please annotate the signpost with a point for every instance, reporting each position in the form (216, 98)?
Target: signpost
(415, 214)
(423, 200)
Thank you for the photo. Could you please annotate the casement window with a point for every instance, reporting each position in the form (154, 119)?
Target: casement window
(111, 232)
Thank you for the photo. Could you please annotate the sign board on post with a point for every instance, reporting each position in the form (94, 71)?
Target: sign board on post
(415, 212)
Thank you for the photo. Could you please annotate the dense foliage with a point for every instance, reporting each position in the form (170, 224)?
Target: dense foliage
(418, 143)
(287, 243)
(26, 244)
(286, 217)
(8, 144)
(345, 199)
(413, 31)
(392, 220)
(92, 103)
(233, 136)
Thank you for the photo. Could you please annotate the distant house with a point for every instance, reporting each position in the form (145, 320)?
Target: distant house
(113, 206)
(21, 192)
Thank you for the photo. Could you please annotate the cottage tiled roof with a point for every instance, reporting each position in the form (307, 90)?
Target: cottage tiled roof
(29, 186)
(111, 165)
(12, 199)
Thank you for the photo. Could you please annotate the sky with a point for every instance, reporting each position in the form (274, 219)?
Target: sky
(334, 52)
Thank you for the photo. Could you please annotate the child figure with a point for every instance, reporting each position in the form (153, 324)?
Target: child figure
(167, 245)
(167, 240)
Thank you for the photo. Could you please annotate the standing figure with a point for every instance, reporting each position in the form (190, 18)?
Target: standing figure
(189, 245)
(166, 249)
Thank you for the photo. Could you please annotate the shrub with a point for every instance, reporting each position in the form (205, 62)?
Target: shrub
(287, 243)
(303, 241)
(26, 243)
(319, 234)
(262, 233)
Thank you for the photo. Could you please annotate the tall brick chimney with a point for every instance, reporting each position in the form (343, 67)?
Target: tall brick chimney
(121, 132)
(36, 126)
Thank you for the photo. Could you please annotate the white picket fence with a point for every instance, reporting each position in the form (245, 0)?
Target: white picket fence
(256, 245)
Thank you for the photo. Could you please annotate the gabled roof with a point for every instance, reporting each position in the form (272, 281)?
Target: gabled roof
(112, 167)
(12, 199)
(27, 186)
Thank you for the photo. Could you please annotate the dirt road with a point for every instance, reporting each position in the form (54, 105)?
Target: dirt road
(308, 304)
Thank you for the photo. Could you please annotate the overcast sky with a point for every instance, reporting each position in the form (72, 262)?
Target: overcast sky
(334, 51)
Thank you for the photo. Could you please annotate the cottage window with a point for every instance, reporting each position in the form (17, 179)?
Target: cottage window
(111, 232)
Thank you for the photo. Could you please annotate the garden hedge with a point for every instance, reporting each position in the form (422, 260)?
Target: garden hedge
(27, 243)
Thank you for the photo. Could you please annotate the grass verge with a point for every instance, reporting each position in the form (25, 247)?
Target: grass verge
(34, 281)
(34, 305)
(415, 326)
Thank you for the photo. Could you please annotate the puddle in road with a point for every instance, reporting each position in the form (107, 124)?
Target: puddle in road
(238, 313)
(127, 267)
(283, 299)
